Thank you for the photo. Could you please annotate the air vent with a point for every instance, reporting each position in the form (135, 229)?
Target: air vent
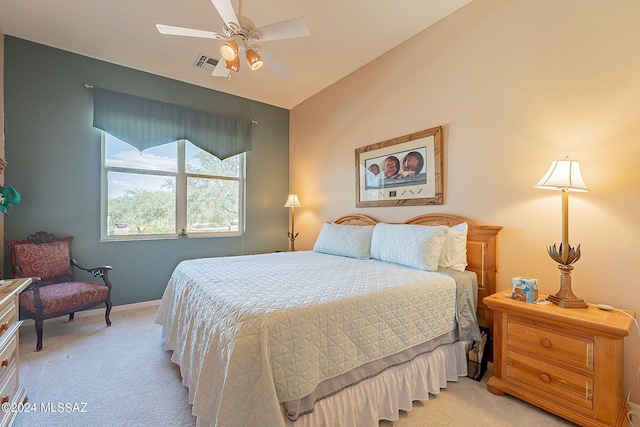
(205, 62)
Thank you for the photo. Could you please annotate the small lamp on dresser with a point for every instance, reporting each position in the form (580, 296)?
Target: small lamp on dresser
(564, 175)
(292, 203)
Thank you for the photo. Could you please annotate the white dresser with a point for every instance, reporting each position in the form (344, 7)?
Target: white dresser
(10, 390)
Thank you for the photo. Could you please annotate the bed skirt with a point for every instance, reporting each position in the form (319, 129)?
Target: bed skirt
(380, 397)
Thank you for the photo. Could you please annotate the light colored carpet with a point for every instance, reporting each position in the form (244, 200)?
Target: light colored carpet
(121, 376)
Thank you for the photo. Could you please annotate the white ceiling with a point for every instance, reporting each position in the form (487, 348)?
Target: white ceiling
(345, 35)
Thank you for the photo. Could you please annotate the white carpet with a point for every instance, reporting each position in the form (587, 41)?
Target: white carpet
(121, 376)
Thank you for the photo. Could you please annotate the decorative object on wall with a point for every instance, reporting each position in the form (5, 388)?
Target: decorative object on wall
(240, 34)
(564, 175)
(403, 171)
(8, 195)
(292, 203)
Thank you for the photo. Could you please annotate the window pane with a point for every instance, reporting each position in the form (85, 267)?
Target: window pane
(122, 155)
(142, 189)
(212, 205)
(204, 163)
(140, 204)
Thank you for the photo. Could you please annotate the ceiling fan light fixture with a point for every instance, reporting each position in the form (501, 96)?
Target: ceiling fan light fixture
(233, 65)
(229, 50)
(239, 35)
(254, 59)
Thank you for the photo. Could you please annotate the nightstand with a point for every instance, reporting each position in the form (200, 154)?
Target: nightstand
(567, 361)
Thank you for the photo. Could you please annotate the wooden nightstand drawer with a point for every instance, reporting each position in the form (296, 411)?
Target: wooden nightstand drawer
(546, 378)
(550, 342)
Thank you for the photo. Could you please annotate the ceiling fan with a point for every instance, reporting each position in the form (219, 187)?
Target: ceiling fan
(240, 36)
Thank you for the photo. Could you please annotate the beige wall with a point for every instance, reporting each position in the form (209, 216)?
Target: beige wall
(515, 84)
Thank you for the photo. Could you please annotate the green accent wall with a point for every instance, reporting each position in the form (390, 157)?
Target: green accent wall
(54, 162)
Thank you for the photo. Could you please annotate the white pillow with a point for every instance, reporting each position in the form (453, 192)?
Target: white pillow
(352, 241)
(416, 246)
(454, 251)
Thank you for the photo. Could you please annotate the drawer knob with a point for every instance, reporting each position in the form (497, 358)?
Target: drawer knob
(5, 399)
(4, 326)
(5, 362)
(545, 378)
(545, 343)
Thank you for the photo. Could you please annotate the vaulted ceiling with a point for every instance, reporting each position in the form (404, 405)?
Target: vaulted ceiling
(345, 35)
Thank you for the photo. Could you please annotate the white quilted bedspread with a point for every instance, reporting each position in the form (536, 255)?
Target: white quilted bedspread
(254, 331)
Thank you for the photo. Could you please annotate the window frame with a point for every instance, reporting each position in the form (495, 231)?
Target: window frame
(181, 177)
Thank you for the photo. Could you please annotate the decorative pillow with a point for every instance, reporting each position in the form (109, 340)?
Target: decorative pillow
(416, 246)
(454, 251)
(352, 241)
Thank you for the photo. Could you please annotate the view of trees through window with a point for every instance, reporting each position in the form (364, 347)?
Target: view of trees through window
(151, 193)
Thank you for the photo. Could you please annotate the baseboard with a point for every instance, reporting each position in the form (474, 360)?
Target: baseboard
(100, 311)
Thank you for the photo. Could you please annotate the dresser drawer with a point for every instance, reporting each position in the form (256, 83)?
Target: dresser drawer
(7, 354)
(9, 385)
(8, 316)
(549, 342)
(542, 377)
(10, 392)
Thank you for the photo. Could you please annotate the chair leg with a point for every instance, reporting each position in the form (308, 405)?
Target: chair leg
(106, 314)
(71, 316)
(39, 334)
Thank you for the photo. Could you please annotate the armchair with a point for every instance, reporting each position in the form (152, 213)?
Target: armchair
(54, 291)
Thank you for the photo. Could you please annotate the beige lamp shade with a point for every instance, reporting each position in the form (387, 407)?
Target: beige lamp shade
(229, 50)
(293, 201)
(563, 175)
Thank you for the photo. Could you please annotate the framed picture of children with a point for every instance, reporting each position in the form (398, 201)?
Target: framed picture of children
(403, 171)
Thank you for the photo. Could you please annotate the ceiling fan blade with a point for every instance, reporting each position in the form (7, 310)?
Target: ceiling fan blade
(189, 32)
(221, 70)
(277, 66)
(290, 29)
(225, 9)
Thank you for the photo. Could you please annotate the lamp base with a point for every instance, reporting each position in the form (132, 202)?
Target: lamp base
(567, 303)
(292, 240)
(565, 297)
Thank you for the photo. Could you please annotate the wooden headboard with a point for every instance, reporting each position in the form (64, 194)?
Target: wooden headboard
(481, 251)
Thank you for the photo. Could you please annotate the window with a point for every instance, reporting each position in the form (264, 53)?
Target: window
(169, 190)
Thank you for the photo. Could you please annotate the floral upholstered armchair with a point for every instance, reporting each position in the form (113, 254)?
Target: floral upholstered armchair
(54, 291)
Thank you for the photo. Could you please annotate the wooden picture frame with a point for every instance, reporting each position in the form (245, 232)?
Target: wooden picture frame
(403, 171)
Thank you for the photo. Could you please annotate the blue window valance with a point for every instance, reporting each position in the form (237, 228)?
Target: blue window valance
(146, 123)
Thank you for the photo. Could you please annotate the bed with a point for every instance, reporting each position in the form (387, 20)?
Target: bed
(346, 334)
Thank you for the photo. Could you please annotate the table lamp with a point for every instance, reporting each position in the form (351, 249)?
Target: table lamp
(564, 175)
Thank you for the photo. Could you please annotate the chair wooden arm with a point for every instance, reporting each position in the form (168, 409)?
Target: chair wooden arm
(96, 271)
